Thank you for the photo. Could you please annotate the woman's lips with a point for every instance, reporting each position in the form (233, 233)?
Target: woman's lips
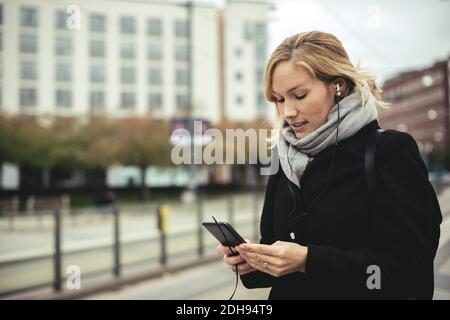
(298, 126)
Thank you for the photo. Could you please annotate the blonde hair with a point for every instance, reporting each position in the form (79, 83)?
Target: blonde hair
(323, 55)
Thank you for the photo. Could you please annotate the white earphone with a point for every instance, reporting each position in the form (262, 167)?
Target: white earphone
(338, 90)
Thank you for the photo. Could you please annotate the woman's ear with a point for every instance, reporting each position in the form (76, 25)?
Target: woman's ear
(340, 85)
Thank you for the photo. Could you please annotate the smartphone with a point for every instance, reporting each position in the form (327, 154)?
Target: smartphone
(224, 232)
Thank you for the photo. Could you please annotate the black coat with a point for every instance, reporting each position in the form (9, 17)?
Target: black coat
(342, 235)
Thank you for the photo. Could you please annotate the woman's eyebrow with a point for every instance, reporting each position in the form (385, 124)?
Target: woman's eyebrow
(293, 88)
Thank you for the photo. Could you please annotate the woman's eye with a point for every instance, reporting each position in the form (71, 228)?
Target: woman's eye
(300, 97)
(279, 100)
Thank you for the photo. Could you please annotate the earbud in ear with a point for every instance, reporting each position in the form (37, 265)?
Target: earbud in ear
(338, 90)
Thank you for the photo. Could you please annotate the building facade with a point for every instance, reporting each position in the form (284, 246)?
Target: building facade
(245, 39)
(122, 58)
(420, 105)
(130, 58)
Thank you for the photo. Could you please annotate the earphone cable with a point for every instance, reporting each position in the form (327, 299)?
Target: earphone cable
(232, 251)
(330, 170)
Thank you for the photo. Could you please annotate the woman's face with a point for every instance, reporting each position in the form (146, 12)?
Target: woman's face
(303, 101)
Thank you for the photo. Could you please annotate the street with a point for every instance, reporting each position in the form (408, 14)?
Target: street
(215, 281)
(26, 253)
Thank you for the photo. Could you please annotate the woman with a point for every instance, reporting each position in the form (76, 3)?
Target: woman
(328, 240)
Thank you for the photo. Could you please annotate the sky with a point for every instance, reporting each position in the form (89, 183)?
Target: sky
(386, 36)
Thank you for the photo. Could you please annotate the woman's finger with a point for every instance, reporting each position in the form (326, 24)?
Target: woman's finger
(233, 260)
(221, 249)
(261, 258)
(266, 268)
(242, 268)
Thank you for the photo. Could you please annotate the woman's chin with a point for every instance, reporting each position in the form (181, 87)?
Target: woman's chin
(301, 134)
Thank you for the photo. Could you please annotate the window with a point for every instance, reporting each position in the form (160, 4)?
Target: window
(260, 52)
(97, 23)
(154, 76)
(128, 100)
(28, 70)
(63, 98)
(154, 27)
(238, 52)
(97, 73)
(127, 75)
(239, 76)
(1, 41)
(28, 43)
(182, 53)
(97, 100)
(60, 19)
(260, 30)
(97, 48)
(239, 100)
(127, 50)
(127, 25)
(63, 46)
(154, 101)
(1, 14)
(28, 97)
(154, 51)
(261, 100)
(63, 72)
(28, 17)
(182, 28)
(182, 77)
(182, 101)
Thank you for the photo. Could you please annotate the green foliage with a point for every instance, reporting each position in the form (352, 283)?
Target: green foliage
(93, 143)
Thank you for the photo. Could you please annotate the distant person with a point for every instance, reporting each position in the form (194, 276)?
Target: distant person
(322, 235)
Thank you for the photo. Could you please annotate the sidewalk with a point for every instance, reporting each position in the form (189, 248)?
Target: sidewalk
(212, 281)
(215, 282)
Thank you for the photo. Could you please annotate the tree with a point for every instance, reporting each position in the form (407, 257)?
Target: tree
(8, 139)
(143, 142)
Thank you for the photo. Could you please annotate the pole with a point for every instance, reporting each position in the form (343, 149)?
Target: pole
(116, 241)
(162, 226)
(57, 255)
(192, 169)
(201, 250)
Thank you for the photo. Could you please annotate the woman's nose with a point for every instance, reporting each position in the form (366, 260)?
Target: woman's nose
(290, 111)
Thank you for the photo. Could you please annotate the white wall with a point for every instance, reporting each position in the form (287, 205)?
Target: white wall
(235, 15)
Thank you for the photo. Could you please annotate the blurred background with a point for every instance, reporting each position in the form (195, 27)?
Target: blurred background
(91, 205)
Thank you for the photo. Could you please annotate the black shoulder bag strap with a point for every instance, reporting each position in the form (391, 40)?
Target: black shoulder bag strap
(369, 164)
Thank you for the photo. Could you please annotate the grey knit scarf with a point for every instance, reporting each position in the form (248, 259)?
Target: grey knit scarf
(294, 154)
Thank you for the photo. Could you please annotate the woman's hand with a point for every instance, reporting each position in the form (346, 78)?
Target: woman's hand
(232, 261)
(277, 259)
